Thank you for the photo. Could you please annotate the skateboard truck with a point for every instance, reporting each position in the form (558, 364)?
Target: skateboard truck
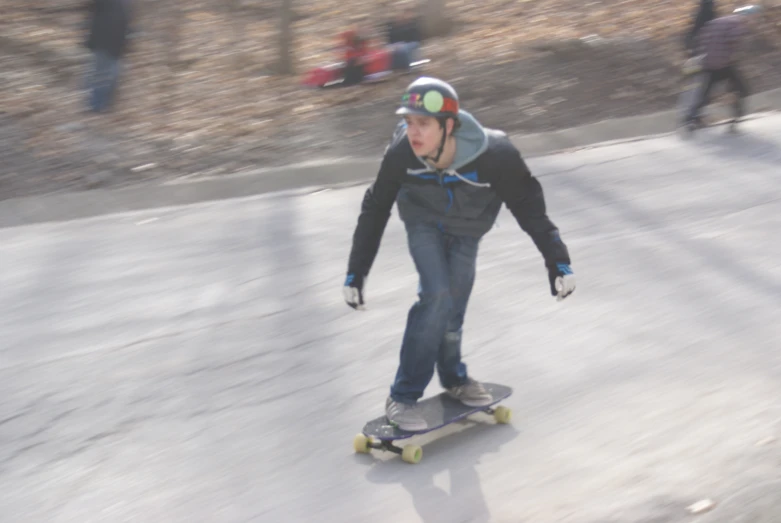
(410, 453)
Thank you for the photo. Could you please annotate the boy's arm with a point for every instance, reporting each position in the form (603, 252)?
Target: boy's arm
(376, 207)
(523, 196)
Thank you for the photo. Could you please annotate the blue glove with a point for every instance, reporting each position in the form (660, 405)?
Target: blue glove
(562, 280)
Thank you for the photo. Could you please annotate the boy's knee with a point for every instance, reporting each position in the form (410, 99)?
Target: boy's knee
(452, 335)
(441, 301)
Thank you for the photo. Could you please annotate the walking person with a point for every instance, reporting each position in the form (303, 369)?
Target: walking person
(109, 30)
(718, 43)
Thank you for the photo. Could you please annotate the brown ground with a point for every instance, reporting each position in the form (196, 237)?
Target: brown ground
(198, 97)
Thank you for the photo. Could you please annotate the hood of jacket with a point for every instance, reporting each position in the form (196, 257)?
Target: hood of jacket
(471, 140)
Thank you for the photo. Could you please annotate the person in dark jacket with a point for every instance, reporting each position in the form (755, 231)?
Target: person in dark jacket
(109, 29)
(405, 28)
(404, 38)
(705, 13)
(718, 43)
(449, 177)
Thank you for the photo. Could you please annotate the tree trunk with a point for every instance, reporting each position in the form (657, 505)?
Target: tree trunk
(169, 24)
(285, 42)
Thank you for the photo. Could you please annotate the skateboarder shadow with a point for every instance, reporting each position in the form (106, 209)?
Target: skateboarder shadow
(458, 453)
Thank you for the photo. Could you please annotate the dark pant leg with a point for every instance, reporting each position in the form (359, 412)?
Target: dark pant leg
(462, 259)
(353, 73)
(738, 86)
(428, 318)
(701, 98)
(103, 80)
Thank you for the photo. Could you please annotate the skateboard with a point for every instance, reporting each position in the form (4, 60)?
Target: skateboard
(438, 411)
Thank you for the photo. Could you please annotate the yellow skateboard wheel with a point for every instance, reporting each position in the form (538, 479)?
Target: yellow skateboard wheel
(412, 454)
(361, 444)
(503, 415)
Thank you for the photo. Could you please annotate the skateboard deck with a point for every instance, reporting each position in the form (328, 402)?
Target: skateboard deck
(438, 411)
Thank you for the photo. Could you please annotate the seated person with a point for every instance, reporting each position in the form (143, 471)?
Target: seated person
(356, 49)
(404, 36)
(405, 28)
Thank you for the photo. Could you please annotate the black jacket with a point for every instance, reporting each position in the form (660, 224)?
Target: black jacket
(404, 31)
(705, 13)
(109, 26)
(463, 200)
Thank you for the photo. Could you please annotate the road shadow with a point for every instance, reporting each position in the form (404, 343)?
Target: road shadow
(745, 145)
(707, 254)
(456, 453)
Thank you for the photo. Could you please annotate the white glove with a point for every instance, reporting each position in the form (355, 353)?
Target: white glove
(565, 285)
(562, 280)
(353, 292)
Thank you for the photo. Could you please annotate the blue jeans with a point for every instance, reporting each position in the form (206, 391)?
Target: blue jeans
(709, 79)
(446, 266)
(102, 80)
(403, 54)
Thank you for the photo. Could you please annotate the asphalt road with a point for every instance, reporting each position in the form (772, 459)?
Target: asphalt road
(197, 363)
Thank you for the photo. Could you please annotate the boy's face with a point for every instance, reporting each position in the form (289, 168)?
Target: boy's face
(425, 134)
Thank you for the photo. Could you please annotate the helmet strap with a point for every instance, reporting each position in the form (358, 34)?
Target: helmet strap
(443, 124)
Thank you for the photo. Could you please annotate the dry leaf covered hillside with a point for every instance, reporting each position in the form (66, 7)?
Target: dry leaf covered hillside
(198, 96)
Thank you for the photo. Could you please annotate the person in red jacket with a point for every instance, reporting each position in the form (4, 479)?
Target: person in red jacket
(356, 49)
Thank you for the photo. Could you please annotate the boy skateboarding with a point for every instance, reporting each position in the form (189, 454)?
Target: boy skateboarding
(448, 176)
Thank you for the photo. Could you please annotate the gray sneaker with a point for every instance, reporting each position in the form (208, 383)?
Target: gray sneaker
(472, 394)
(406, 417)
